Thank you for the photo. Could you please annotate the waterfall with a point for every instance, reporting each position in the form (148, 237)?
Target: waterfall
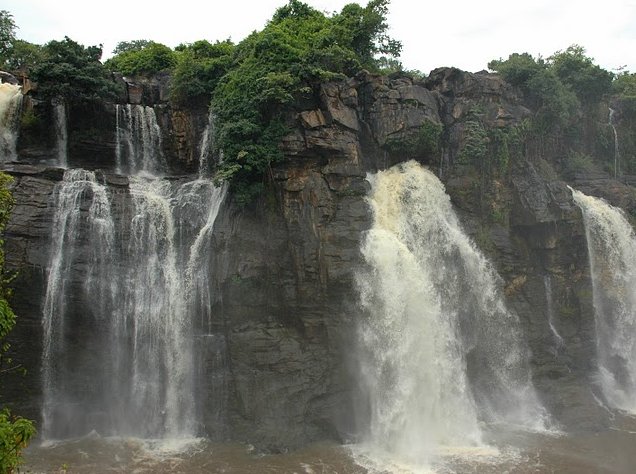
(138, 141)
(206, 146)
(61, 134)
(616, 150)
(439, 350)
(72, 225)
(558, 340)
(10, 105)
(119, 321)
(611, 244)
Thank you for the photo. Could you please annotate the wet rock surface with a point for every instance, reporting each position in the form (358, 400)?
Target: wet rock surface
(285, 266)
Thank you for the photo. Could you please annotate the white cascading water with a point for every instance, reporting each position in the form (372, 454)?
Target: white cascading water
(206, 147)
(72, 224)
(439, 350)
(616, 149)
(61, 134)
(138, 141)
(10, 106)
(611, 244)
(133, 372)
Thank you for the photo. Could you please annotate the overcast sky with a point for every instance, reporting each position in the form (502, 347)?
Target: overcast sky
(462, 33)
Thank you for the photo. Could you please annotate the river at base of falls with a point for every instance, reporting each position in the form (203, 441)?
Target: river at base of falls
(506, 451)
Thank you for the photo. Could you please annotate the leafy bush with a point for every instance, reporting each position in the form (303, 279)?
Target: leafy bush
(73, 72)
(23, 56)
(475, 146)
(624, 85)
(7, 34)
(15, 434)
(142, 58)
(577, 162)
(557, 89)
(554, 103)
(518, 69)
(134, 45)
(577, 71)
(198, 69)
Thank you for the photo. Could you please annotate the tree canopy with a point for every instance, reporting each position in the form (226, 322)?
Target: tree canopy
(557, 87)
(141, 57)
(72, 71)
(7, 33)
(199, 67)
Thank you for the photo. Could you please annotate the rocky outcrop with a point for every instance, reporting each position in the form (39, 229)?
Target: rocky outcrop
(8, 78)
(285, 266)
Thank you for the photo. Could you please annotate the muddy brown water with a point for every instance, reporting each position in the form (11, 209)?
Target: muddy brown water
(507, 451)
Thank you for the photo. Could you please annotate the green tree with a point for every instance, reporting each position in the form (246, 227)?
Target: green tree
(150, 58)
(72, 71)
(23, 56)
(134, 45)
(554, 103)
(578, 72)
(199, 68)
(16, 55)
(364, 30)
(7, 34)
(518, 69)
(625, 85)
(15, 432)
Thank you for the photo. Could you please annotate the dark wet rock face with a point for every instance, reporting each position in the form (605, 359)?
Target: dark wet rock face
(284, 267)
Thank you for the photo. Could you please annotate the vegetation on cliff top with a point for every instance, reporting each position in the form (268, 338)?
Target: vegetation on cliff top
(253, 84)
(569, 95)
(557, 87)
(281, 64)
(249, 84)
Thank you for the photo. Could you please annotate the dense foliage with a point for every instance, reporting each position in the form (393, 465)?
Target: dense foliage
(72, 71)
(141, 57)
(199, 67)
(566, 92)
(280, 64)
(253, 85)
(15, 432)
(7, 34)
(558, 87)
(134, 45)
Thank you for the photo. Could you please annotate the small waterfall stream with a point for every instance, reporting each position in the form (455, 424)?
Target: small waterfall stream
(10, 105)
(616, 148)
(439, 351)
(206, 146)
(138, 141)
(611, 246)
(73, 223)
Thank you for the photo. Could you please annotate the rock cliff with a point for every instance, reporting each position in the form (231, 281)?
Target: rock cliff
(285, 266)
